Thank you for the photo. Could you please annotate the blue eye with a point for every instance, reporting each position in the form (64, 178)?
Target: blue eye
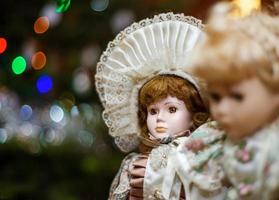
(172, 109)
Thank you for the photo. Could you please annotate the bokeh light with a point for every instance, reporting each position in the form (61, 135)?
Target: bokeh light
(56, 113)
(44, 84)
(245, 7)
(41, 25)
(50, 135)
(90, 55)
(3, 135)
(19, 65)
(81, 82)
(25, 112)
(74, 111)
(86, 138)
(29, 48)
(62, 5)
(26, 129)
(99, 5)
(67, 100)
(49, 11)
(87, 112)
(121, 19)
(3, 45)
(38, 60)
(8, 99)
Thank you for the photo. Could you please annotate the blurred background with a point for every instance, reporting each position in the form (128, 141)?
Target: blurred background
(53, 141)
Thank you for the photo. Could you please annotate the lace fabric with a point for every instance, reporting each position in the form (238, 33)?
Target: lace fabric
(120, 186)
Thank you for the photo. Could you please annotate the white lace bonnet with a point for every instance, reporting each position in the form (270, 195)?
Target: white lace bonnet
(160, 45)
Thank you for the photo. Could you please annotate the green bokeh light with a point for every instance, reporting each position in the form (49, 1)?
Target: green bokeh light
(62, 5)
(19, 65)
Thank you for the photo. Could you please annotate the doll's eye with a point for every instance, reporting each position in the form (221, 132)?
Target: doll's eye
(214, 96)
(153, 111)
(172, 109)
(237, 96)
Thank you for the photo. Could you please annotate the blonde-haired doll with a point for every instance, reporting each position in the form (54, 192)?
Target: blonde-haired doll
(239, 59)
(150, 100)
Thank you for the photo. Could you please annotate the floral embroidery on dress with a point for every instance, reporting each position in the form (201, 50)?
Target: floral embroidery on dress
(245, 189)
(158, 195)
(243, 154)
(159, 157)
(252, 165)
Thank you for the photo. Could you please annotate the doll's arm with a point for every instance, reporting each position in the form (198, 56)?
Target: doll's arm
(137, 172)
(120, 187)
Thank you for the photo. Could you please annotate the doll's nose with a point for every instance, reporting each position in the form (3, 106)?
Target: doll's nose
(160, 116)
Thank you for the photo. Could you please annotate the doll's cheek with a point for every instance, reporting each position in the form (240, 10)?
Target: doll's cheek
(151, 123)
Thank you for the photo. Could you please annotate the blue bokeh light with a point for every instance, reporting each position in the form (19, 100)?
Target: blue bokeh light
(25, 112)
(44, 84)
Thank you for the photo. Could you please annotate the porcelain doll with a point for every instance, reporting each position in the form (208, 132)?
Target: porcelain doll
(166, 116)
(151, 102)
(239, 59)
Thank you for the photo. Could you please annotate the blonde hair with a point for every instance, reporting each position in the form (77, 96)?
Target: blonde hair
(163, 85)
(238, 49)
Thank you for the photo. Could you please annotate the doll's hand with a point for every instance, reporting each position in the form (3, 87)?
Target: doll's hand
(195, 145)
(137, 173)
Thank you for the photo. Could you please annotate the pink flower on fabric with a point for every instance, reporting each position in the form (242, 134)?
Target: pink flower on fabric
(244, 155)
(245, 189)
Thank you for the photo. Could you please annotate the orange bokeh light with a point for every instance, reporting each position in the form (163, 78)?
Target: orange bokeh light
(41, 25)
(38, 60)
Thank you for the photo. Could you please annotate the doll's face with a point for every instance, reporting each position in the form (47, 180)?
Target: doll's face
(168, 117)
(244, 107)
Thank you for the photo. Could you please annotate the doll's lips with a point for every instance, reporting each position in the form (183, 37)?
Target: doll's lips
(160, 129)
